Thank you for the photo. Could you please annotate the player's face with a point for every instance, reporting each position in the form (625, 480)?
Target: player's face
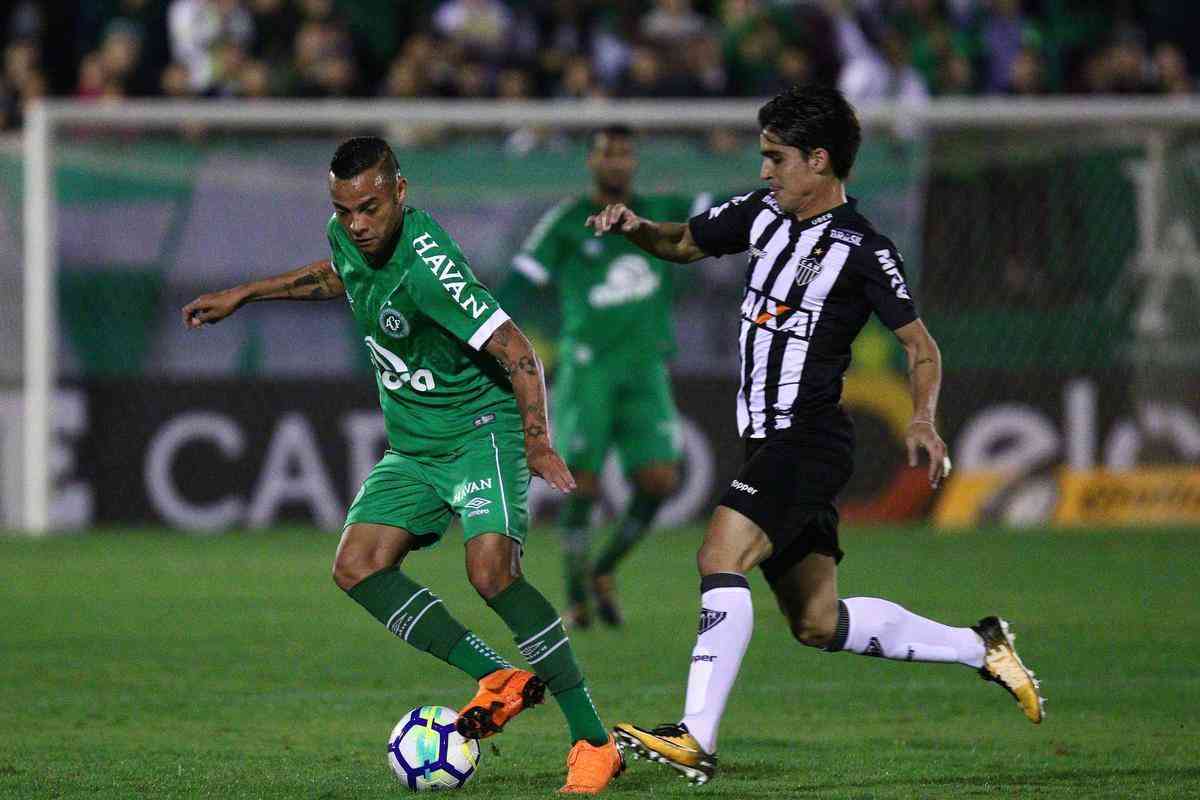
(612, 161)
(370, 207)
(793, 178)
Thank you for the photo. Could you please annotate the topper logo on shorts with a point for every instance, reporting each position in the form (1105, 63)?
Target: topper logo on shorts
(744, 487)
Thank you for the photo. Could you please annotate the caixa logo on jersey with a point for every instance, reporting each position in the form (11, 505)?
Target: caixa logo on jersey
(394, 373)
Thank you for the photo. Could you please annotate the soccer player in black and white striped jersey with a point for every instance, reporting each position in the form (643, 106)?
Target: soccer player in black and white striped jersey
(817, 269)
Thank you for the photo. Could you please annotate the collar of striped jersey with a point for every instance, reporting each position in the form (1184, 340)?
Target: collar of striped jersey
(847, 207)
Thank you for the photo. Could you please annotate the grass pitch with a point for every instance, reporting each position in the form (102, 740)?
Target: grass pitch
(145, 664)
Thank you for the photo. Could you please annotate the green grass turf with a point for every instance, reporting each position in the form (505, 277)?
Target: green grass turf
(143, 664)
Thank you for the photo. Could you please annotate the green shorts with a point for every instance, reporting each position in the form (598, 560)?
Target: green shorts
(625, 405)
(485, 483)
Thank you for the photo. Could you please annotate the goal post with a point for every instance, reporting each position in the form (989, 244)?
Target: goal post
(953, 135)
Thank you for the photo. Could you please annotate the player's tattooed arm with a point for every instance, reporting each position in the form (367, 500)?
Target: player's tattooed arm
(671, 241)
(514, 352)
(925, 382)
(315, 281)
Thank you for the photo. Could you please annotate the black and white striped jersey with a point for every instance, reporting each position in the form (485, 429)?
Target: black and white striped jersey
(811, 285)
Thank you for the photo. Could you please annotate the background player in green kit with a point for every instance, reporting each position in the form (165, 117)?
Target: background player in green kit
(611, 388)
(464, 403)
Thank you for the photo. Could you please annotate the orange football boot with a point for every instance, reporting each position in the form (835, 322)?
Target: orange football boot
(502, 695)
(591, 767)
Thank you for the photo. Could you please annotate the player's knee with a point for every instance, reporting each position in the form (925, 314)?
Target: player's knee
(813, 630)
(490, 579)
(711, 560)
(350, 567)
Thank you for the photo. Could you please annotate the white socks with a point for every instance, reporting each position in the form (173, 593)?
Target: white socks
(882, 628)
(726, 621)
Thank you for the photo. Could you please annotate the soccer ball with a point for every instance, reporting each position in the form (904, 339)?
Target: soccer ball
(427, 753)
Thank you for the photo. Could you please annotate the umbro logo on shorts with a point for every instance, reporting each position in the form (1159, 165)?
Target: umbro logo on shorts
(478, 506)
(744, 487)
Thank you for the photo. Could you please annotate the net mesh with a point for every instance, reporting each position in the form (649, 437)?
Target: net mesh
(1058, 269)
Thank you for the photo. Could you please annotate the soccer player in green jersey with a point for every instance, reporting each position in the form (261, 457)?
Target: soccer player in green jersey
(612, 388)
(464, 402)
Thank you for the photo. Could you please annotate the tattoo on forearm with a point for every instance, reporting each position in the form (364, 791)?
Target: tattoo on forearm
(322, 289)
(527, 365)
(534, 431)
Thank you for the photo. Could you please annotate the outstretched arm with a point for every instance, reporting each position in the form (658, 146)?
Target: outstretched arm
(515, 354)
(925, 383)
(315, 281)
(670, 241)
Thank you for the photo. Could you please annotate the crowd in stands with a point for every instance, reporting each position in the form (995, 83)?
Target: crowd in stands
(904, 50)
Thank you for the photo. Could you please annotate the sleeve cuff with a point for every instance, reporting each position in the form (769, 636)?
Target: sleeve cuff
(699, 239)
(480, 337)
(531, 268)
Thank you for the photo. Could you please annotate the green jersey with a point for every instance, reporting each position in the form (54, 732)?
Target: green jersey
(424, 318)
(615, 299)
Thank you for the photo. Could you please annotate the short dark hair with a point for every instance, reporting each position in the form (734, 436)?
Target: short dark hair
(812, 116)
(615, 129)
(357, 155)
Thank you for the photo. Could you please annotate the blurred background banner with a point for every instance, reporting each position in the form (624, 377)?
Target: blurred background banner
(1057, 268)
(1036, 161)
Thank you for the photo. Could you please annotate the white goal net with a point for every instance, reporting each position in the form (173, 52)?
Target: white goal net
(1052, 244)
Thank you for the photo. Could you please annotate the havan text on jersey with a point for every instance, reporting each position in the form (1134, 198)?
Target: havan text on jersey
(452, 280)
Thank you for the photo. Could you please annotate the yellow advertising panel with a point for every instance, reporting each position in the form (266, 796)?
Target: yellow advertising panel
(1151, 495)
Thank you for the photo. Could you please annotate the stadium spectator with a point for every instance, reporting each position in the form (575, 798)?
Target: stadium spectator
(671, 23)
(1027, 73)
(955, 76)
(121, 57)
(578, 81)
(197, 27)
(1171, 69)
(644, 77)
(275, 24)
(885, 77)
(90, 85)
(750, 51)
(1005, 33)
(481, 26)
(704, 66)
(876, 49)
(21, 80)
(323, 63)
(405, 78)
(175, 82)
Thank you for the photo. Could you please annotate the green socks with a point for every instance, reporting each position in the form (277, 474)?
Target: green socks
(631, 530)
(574, 520)
(417, 616)
(539, 634)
